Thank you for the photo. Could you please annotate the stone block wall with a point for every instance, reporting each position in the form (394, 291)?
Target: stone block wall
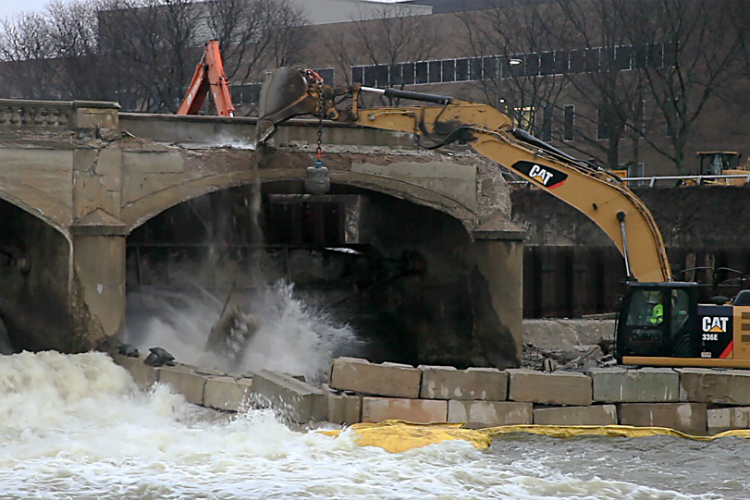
(692, 400)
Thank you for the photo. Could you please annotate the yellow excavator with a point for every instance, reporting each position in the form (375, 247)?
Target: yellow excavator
(659, 322)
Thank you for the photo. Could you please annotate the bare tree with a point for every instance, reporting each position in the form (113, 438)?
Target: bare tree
(80, 72)
(739, 13)
(684, 51)
(26, 51)
(382, 36)
(522, 81)
(153, 45)
(255, 34)
(611, 97)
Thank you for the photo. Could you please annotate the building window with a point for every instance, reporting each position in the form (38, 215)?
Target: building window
(547, 63)
(328, 75)
(421, 70)
(395, 76)
(489, 68)
(433, 71)
(561, 62)
(532, 65)
(648, 56)
(607, 58)
(358, 74)
(370, 76)
(449, 70)
(248, 93)
(622, 57)
(475, 69)
(576, 61)
(381, 76)
(462, 70)
(569, 122)
(591, 60)
(407, 73)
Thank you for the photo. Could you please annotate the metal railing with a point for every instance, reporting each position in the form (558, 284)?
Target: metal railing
(651, 181)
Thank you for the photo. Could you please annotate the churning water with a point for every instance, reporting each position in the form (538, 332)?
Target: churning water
(294, 337)
(77, 427)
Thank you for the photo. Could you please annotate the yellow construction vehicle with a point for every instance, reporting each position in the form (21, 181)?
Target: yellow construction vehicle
(722, 163)
(660, 321)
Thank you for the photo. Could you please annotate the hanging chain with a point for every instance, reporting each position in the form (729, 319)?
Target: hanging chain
(318, 81)
(321, 114)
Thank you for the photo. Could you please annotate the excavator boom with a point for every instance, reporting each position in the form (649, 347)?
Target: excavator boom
(598, 194)
(660, 321)
(209, 75)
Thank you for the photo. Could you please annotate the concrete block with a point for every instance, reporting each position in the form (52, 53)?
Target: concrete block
(566, 334)
(577, 415)
(423, 411)
(556, 388)
(93, 117)
(647, 385)
(718, 420)
(144, 375)
(184, 380)
(387, 379)
(723, 419)
(702, 385)
(740, 418)
(226, 393)
(686, 417)
(480, 414)
(343, 408)
(295, 399)
(445, 382)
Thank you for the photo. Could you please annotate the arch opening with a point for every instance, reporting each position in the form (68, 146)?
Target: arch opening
(368, 274)
(34, 283)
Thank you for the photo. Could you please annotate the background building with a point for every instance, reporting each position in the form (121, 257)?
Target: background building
(641, 85)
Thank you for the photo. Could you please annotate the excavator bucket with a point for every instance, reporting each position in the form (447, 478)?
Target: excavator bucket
(284, 94)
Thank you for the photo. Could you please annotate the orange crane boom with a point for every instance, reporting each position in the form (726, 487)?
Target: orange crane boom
(209, 74)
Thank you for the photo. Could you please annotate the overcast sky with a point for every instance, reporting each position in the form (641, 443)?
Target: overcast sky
(13, 7)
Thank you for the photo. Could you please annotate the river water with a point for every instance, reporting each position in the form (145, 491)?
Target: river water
(77, 427)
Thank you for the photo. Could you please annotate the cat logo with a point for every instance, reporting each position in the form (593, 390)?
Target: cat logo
(540, 175)
(545, 176)
(717, 324)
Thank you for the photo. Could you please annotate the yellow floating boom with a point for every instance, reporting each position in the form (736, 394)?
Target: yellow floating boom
(397, 436)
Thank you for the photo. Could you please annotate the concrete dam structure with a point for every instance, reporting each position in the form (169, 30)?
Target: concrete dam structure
(414, 249)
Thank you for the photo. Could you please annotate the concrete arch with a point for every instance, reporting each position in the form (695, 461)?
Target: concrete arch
(136, 214)
(59, 216)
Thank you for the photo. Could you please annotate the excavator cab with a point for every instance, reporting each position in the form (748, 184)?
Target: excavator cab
(658, 320)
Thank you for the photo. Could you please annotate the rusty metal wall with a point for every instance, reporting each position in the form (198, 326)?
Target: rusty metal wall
(575, 281)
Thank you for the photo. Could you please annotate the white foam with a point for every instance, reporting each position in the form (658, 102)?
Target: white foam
(75, 426)
(294, 337)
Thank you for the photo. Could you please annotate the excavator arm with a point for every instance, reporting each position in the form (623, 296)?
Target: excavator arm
(599, 195)
(209, 75)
